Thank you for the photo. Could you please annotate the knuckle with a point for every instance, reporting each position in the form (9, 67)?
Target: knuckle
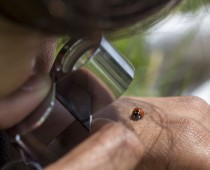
(199, 105)
(195, 104)
(190, 100)
(198, 102)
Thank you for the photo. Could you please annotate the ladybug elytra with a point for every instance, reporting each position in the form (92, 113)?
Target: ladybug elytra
(137, 114)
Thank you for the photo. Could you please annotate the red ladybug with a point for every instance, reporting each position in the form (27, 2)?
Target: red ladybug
(137, 114)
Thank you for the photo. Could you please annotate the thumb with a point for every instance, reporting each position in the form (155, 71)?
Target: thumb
(112, 147)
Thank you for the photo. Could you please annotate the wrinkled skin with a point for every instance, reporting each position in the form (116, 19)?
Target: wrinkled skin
(174, 134)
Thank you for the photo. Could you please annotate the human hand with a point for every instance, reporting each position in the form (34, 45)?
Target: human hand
(174, 131)
(112, 147)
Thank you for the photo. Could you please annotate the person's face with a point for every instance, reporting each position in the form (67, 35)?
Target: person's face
(23, 83)
(22, 86)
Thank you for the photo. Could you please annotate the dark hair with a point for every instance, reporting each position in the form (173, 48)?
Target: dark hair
(81, 16)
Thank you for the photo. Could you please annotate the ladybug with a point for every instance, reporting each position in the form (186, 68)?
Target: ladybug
(137, 114)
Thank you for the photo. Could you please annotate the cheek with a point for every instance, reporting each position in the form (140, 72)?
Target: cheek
(17, 60)
(14, 72)
(27, 57)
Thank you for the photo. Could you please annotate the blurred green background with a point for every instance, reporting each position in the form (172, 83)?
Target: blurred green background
(172, 56)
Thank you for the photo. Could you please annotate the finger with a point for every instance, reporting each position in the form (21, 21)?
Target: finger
(112, 147)
(18, 105)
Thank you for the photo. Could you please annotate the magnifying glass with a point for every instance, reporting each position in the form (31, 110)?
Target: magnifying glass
(88, 74)
(88, 83)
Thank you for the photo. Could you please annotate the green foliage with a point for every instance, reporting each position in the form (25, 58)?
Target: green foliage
(149, 64)
(154, 66)
(193, 5)
(135, 50)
